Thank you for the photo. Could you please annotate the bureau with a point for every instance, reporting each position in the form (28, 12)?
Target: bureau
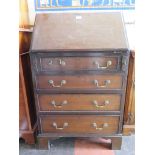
(79, 67)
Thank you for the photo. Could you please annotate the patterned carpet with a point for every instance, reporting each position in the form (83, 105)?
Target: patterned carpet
(84, 147)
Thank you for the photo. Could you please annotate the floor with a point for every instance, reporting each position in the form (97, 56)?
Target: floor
(71, 146)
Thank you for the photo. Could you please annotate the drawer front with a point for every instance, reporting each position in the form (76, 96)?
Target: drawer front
(79, 124)
(79, 63)
(79, 102)
(79, 82)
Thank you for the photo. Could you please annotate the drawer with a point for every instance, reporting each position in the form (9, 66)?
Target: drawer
(79, 124)
(79, 82)
(110, 63)
(79, 102)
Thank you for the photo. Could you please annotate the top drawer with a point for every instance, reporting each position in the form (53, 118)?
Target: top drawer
(103, 63)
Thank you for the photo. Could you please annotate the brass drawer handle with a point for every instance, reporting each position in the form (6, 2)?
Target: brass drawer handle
(50, 62)
(106, 102)
(58, 106)
(109, 63)
(53, 85)
(59, 128)
(106, 82)
(61, 62)
(105, 125)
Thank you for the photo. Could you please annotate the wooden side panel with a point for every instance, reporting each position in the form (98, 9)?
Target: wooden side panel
(129, 113)
(25, 72)
(23, 121)
(27, 112)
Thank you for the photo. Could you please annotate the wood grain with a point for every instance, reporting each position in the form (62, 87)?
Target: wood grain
(129, 113)
(27, 114)
(80, 81)
(79, 102)
(64, 31)
(78, 63)
(79, 124)
(23, 118)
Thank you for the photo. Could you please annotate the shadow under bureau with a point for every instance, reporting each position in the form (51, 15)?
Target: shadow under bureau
(79, 68)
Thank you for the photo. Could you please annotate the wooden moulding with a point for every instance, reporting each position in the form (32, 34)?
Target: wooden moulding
(116, 141)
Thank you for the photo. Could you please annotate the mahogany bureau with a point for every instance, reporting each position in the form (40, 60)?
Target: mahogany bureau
(79, 68)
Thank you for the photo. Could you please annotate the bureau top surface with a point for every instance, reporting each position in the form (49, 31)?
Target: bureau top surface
(78, 31)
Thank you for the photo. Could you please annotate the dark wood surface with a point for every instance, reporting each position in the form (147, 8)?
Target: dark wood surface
(80, 124)
(27, 113)
(72, 31)
(78, 63)
(79, 82)
(119, 56)
(116, 141)
(79, 102)
(104, 39)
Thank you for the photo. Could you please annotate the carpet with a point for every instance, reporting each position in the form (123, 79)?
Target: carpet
(86, 147)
